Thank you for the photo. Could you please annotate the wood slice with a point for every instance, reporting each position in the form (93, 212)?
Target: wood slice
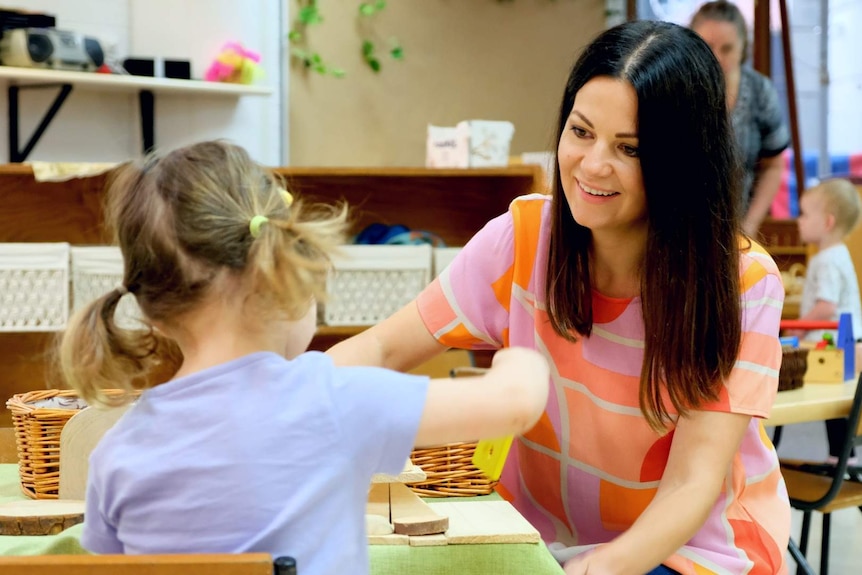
(412, 516)
(421, 525)
(79, 437)
(40, 516)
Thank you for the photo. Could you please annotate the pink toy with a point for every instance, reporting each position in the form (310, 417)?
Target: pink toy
(234, 64)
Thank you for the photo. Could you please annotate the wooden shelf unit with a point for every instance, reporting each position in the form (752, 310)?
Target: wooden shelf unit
(454, 204)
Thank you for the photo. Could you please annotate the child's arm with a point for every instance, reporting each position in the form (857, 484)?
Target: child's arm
(822, 311)
(507, 400)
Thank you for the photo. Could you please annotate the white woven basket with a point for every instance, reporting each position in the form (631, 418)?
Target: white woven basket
(34, 286)
(370, 283)
(96, 270)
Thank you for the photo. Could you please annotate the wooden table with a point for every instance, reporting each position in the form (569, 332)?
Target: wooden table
(812, 402)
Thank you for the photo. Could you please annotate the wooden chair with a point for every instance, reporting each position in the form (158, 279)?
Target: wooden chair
(825, 488)
(216, 564)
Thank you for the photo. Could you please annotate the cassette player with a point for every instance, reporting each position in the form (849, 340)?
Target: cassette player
(50, 48)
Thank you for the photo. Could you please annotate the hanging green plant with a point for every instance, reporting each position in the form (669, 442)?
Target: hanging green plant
(308, 14)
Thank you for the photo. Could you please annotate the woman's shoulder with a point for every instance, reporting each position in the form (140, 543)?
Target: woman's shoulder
(755, 263)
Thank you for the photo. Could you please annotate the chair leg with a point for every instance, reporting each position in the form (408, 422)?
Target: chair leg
(803, 536)
(824, 544)
(802, 565)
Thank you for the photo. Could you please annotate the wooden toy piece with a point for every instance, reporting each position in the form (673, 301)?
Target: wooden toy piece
(79, 437)
(486, 522)
(825, 366)
(39, 516)
(412, 516)
(410, 474)
(490, 456)
(847, 342)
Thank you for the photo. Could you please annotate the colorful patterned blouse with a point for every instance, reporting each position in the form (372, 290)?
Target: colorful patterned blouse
(591, 465)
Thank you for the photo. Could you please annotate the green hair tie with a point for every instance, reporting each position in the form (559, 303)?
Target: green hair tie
(254, 225)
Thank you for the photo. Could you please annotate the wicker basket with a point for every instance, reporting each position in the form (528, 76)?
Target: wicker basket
(794, 363)
(450, 472)
(37, 436)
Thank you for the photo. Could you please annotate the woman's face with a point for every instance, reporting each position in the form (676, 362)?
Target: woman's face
(724, 40)
(598, 153)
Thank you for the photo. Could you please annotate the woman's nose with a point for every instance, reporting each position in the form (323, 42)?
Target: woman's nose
(596, 161)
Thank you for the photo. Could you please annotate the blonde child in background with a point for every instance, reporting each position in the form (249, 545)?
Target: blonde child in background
(252, 445)
(828, 213)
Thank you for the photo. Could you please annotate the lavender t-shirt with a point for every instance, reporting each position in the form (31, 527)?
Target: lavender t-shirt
(259, 454)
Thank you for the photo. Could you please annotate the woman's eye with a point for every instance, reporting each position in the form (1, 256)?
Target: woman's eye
(629, 151)
(579, 132)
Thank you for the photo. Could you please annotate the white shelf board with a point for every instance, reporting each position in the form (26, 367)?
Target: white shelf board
(123, 83)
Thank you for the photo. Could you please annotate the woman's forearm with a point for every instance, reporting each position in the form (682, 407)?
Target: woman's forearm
(672, 519)
(766, 187)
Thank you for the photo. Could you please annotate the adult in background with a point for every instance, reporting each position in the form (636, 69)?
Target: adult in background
(760, 131)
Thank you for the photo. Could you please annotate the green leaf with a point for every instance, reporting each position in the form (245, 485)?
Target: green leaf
(338, 72)
(310, 15)
(397, 53)
(367, 48)
(380, 5)
(373, 63)
(367, 9)
(294, 36)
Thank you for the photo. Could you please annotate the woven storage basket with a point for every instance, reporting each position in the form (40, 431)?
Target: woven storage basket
(34, 286)
(794, 363)
(37, 436)
(450, 472)
(96, 270)
(370, 283)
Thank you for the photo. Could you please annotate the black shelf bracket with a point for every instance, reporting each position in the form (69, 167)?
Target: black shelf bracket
(16, 154)
(146, 101)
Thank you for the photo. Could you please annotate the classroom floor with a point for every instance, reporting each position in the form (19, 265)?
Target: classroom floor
(808, 441)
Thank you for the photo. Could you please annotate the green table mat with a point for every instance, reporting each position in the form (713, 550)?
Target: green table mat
(513, 559)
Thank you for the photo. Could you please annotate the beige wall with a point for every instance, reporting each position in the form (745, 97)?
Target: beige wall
(464, 59)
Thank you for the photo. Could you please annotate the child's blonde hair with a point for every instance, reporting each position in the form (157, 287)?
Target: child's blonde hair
(841, 200)
(180, 220)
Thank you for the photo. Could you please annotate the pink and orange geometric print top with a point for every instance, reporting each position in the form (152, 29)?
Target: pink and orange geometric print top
(591, 465)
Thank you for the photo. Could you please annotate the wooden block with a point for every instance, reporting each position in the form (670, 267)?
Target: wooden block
(825, 366)
(421, 525)
(428, 540)
(486, 522)
(394, 539)
(39, 516)
(411, 515)
(377, 525)
(410, 474)
(378, 501)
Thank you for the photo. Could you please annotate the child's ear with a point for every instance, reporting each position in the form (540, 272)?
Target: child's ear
(830, 221)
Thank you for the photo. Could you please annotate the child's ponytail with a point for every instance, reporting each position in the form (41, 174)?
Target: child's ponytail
(96, 354)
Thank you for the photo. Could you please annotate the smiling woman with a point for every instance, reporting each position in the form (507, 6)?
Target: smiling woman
(631, 279)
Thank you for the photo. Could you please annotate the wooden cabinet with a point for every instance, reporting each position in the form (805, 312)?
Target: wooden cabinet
(451, 203)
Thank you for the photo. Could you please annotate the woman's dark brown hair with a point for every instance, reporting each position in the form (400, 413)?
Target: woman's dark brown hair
(690, 290)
